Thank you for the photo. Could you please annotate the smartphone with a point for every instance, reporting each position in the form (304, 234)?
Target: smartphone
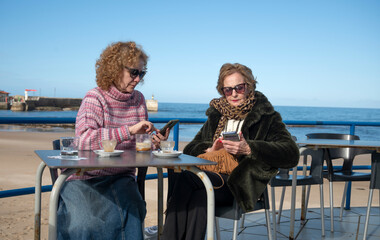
(231, 136)
(169, 125)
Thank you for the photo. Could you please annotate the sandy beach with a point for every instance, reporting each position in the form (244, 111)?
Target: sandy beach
(18, 165)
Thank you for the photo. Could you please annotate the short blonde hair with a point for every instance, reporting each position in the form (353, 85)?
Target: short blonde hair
(114, 58)
(229, 68)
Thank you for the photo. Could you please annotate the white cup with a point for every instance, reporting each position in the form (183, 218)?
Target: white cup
(109, 145)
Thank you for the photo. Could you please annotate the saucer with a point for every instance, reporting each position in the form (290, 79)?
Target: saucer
(161, 154)
(102, 153)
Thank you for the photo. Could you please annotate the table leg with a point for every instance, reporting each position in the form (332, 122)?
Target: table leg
(210, 200)
(53, 205)
(37, 201)
(293, 203)
(160, 207)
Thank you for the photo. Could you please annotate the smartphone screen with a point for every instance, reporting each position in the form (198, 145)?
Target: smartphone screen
(169, 125)
(231, 136)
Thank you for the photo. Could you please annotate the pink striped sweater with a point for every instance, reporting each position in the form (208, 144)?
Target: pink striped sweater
(107, 115)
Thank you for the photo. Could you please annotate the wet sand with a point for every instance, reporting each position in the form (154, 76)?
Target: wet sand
(18, 165)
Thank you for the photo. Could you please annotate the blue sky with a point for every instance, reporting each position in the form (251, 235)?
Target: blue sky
(304, 53)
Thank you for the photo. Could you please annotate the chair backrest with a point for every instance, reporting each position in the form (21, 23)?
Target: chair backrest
(141, 172)
(54, 171)
(316, 165)
(375, 171)
(312, 161)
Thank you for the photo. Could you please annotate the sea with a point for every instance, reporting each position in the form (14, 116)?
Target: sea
(192, 110)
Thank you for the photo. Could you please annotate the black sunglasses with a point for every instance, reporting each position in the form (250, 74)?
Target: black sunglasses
(240, 88)
(135, 72)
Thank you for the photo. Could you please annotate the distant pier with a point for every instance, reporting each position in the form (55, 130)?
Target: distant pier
(152, 104)
(60, 104)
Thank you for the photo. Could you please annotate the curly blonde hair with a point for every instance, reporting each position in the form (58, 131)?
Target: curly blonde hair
(113, 60)
(229, 68)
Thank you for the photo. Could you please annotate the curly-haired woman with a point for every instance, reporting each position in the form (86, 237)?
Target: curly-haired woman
(263, 146)
(106, 203)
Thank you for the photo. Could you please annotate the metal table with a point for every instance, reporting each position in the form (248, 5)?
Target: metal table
(332, 143)
(129, 158)
(335, 143)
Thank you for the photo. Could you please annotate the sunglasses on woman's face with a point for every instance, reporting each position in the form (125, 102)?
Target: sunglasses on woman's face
(240, 88)
(135, 72)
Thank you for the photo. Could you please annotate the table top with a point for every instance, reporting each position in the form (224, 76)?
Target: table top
(333, 143)
(129, 158)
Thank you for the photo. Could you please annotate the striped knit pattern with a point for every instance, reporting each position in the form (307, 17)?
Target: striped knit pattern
(107, 115)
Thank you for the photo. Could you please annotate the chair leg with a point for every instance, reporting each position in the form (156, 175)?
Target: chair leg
(242, 221)
(305, 201)
(281, 205)
(343, 200)
(267, 218)
(236, 222)
(322, 209)
(307, 197)
(293, 203)
(273, 213)
(367, 215)
(217, 228)
(331, 206)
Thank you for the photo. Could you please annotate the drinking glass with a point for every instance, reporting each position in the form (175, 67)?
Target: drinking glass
(69, 147)
(167, 146)
(143, 142)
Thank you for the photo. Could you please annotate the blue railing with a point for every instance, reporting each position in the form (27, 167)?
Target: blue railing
(350, 124)
(51, 120)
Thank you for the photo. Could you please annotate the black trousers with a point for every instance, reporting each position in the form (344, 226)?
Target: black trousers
(186, 214)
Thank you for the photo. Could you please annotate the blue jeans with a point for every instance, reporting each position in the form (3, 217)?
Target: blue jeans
(108, 207)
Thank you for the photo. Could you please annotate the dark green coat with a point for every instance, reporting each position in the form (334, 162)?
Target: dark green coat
(271, 145)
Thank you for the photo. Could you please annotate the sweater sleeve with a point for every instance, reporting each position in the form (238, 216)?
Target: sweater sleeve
(89, 126)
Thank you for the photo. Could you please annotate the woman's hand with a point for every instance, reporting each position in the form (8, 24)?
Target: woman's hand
(142, 127)
(217, 145)
(158, 137)
(237, 148)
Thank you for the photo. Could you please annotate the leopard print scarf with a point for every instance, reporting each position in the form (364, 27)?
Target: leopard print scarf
(231, 112)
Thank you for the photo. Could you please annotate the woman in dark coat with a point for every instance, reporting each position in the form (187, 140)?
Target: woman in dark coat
(264, 146)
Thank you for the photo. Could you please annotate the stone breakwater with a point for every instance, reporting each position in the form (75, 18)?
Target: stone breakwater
(4, 106)
(48, 104)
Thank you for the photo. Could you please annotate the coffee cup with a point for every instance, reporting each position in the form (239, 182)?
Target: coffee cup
(109, 145)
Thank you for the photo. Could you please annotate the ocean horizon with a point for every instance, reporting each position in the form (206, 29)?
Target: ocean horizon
(197, 110)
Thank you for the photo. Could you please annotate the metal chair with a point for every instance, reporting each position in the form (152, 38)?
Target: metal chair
(312, 175)
(343, 174)
(141, 172)
(374, 184)
(234, 212)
